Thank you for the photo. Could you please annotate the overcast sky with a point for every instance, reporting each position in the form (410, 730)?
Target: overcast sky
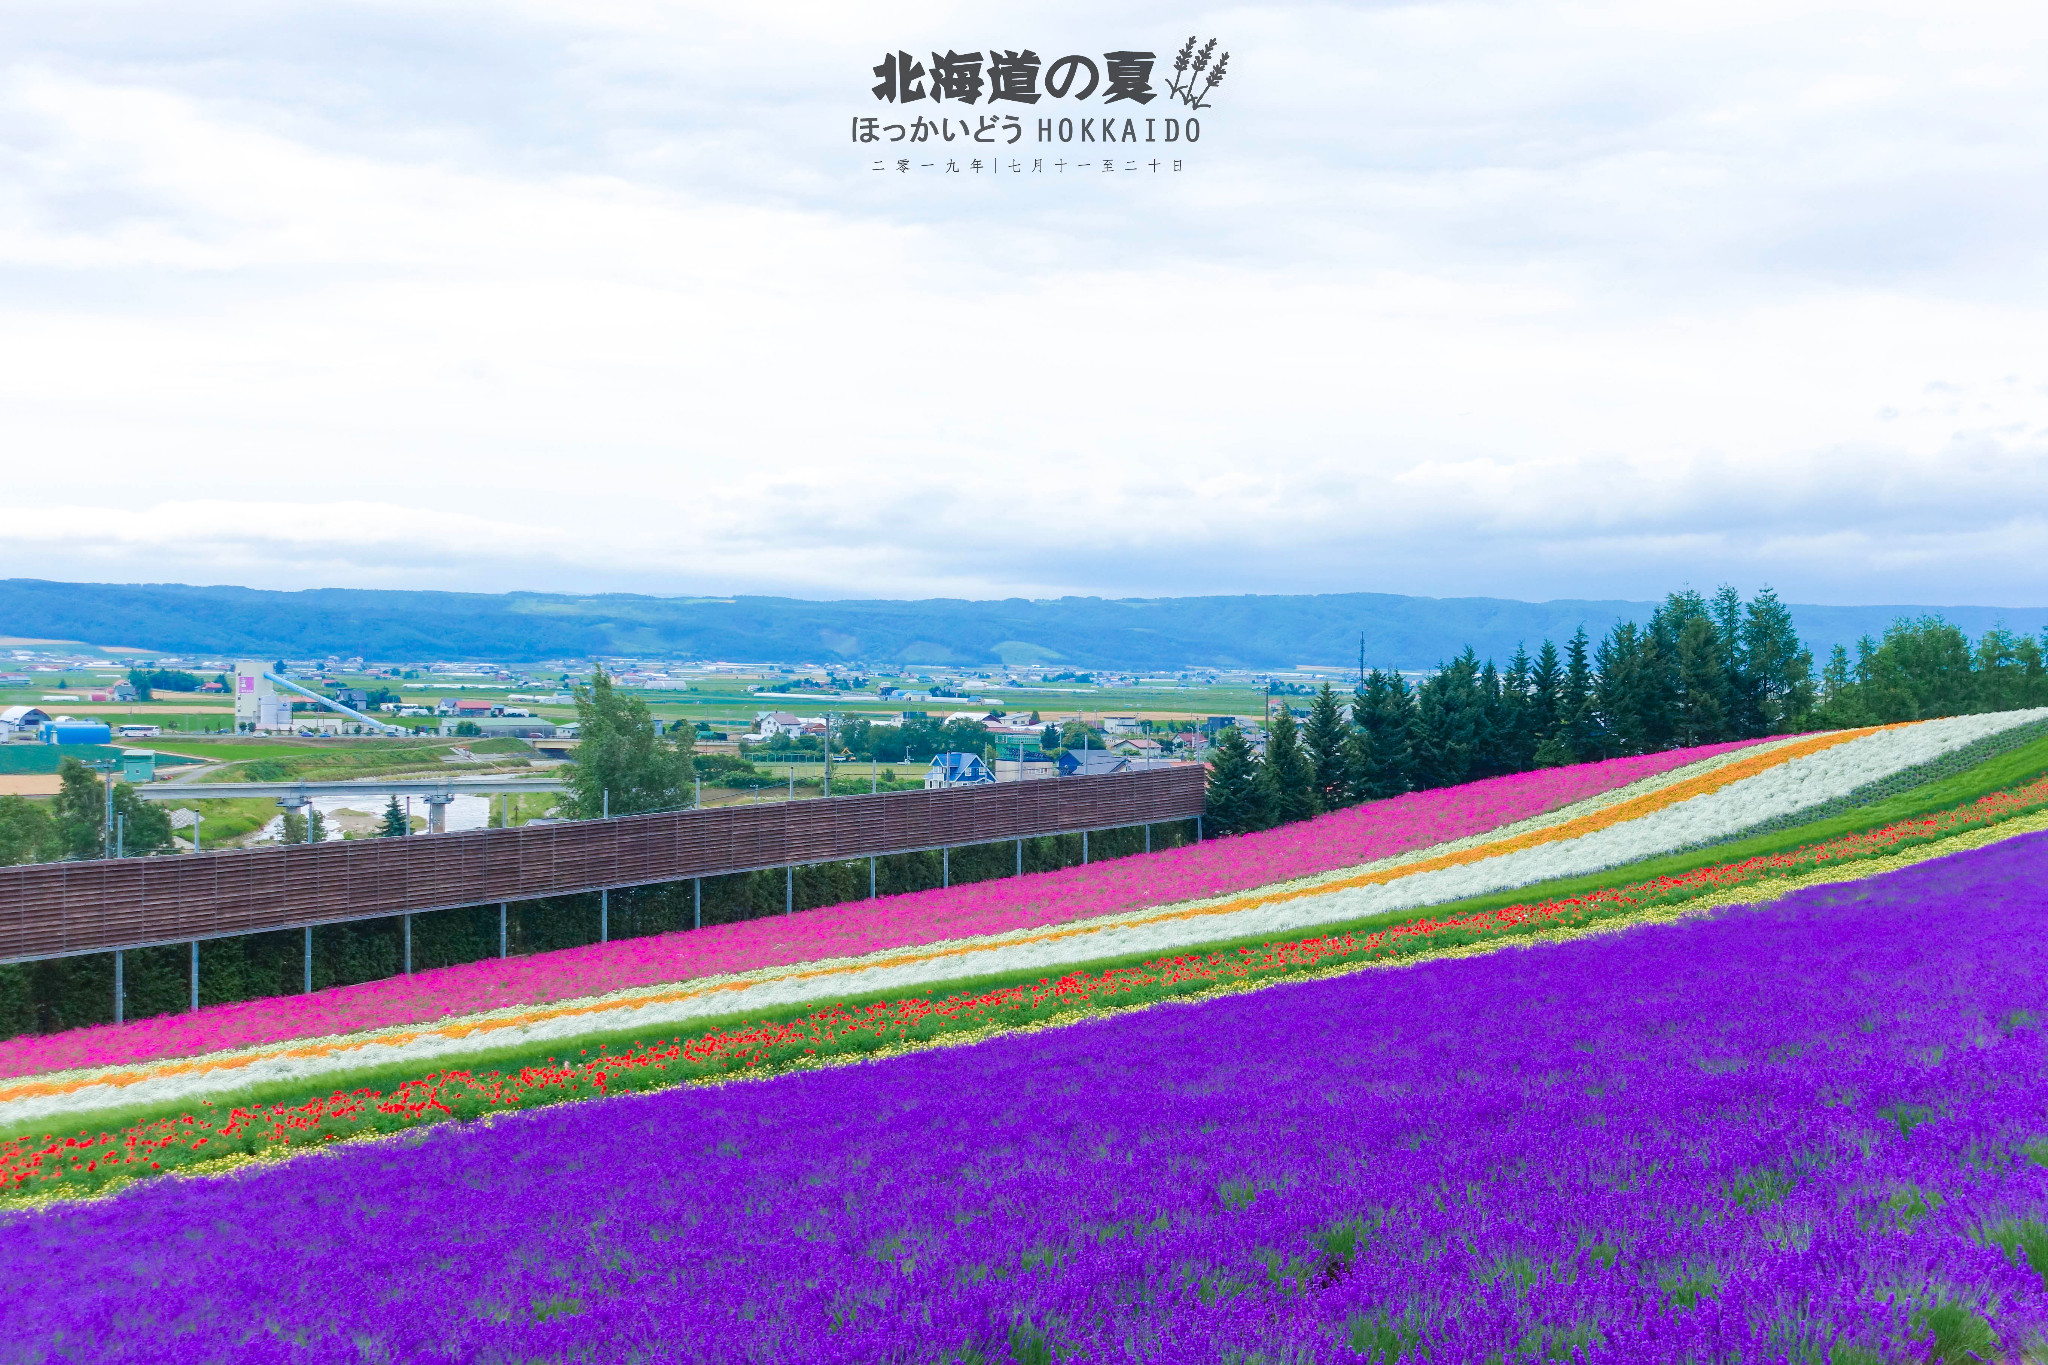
(1521, 300)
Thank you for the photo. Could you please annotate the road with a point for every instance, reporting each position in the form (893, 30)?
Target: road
(367, 786)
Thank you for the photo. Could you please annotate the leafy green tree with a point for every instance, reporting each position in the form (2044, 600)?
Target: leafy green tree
(395, 825)
(145, 827)
(316, 826)
(294, 830)
(1236, 802)
(1288, 775)
(79, 811)
(27, 834)
(622, 765)
(467, 729)
(1324, 737)
(138, 678)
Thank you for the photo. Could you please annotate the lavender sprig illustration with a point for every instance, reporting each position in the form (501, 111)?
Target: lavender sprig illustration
(1215, 79)
(1200, 64)
(1178, 85)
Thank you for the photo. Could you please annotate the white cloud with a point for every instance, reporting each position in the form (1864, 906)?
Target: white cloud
(1454, 298)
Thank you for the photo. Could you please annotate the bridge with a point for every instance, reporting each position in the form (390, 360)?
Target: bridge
(52, 910)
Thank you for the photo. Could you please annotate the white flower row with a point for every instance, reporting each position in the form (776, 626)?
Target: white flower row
(1785, 789)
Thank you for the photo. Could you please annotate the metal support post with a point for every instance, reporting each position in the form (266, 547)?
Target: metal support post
(697, 918)
(1020, 857)
(945, 867)
(1198, 829)
(604, 916)
(1084, 848)
(309, 959)
(792, 779)
(502, 907)
(195, 973)
(1148, 838)
(698, 800)
(408, 945)
(789, 888)
(871, 879)
(117, 986)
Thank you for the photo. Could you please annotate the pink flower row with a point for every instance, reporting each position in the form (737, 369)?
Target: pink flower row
(1344, 838)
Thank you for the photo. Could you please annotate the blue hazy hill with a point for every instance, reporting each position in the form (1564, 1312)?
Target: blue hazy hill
(1082, 632)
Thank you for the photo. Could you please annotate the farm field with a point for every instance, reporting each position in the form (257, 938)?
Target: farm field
(1720, 1054)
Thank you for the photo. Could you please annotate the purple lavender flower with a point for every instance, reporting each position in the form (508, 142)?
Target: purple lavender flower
(1735, 1138)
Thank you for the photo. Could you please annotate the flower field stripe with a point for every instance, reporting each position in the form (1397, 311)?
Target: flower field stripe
(458, 1093)
(1131, 935)
(1341, 840)
(517, 1016)
(1047, 949)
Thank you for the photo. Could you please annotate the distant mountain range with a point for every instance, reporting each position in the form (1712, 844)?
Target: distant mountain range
(1079, 632)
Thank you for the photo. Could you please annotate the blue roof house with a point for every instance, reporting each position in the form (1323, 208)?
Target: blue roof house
(957, 770)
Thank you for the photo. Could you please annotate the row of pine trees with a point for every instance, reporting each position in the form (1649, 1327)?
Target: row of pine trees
(1703, 670)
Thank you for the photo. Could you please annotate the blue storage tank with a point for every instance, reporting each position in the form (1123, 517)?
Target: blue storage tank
(76, 732)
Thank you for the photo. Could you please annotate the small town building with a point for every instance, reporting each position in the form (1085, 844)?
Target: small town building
(1030, 768)
(519, 727)
(957, 770)
(65, 730)
(22, 722)
(1092, 763)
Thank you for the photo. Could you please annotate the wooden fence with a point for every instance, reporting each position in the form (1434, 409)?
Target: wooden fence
(63, 909)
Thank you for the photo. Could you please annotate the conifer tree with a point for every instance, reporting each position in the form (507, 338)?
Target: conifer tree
(1288, 774)
(1546, 686)
(1696, 704)
(395, 824)
(1390, 767)
(1358, 765)
(1324, 737)
(1575, 703)
(1236, 799)
(1780, 667)
(1739, 695)
(1449, 723)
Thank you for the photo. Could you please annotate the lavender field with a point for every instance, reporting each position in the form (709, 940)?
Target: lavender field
(1815, 1131)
